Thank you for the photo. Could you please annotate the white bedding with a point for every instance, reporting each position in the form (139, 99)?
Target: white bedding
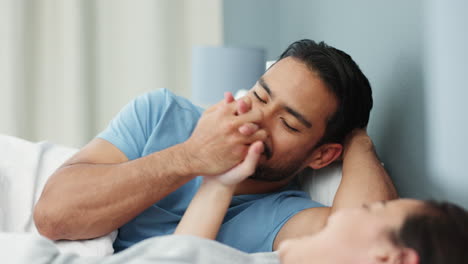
(24, 169)
(173, 249)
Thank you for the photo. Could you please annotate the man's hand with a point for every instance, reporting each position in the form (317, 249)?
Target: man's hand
(223, 136)
(357, 137)
(240, 172)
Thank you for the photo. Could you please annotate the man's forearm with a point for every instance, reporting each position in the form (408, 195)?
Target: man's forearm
(106, 196)
(364, 178)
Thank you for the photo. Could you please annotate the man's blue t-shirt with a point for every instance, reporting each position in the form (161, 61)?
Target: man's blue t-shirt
(160, 119)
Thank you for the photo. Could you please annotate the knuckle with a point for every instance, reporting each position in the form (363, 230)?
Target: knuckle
(223, 108)
(230, 125)
(261, 134)
(253, 127)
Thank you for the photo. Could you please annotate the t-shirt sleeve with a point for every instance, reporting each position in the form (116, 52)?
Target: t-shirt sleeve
(288, 207)
(130, 129)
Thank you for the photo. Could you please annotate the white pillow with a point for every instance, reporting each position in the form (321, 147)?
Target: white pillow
(322, 184)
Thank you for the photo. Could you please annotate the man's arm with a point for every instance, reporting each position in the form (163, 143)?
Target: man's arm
(99, 190)
(364, 180)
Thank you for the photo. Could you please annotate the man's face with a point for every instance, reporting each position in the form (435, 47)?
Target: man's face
(296, 105)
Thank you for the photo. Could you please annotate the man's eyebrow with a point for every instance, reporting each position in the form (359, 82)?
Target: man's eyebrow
(293, 112)
(265, 86)
(297, 115)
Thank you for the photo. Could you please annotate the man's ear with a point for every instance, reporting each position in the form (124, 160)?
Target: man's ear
(402, 256)
(324, 155)
(409, 256)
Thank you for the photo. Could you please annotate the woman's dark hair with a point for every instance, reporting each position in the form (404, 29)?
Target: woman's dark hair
(438, 233)
(344, 78)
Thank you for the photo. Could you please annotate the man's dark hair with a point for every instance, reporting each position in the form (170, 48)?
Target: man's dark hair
(344, 78)
(438, 233)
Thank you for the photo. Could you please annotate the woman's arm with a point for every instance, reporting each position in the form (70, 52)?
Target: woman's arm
(207, 209)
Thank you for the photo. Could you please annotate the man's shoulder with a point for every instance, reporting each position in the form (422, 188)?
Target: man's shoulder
(171, 119)
(305, 222)
(262, 217)
(166, 99)
(301, 215)
(289, 193)
(287, 202)
(151, 122)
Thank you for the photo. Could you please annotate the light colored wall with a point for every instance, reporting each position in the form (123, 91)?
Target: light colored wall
(145, 46)
(446, 64)
(252, 23)
(418, 132)
(68, 67)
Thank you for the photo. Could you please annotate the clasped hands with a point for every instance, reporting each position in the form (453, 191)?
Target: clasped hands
(226, 144)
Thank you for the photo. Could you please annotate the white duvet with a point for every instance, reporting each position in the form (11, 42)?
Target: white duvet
(173, 249)
(24, 169)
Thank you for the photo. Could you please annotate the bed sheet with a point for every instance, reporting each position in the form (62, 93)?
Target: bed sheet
(24, 169)
(172, 249)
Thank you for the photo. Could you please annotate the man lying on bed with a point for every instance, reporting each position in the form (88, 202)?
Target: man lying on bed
(140, 174)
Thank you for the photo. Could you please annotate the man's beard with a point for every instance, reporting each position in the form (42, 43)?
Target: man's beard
(269, 174)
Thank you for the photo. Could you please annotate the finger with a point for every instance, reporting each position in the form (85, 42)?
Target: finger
(243, 105)
(259, 135)
(248, 129)
(248, 102)
(228, 97)
(252, 116)
(216, 106)
(247, 167)
(229, 104)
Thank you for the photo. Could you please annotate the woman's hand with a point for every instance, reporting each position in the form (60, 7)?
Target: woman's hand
(240, 172)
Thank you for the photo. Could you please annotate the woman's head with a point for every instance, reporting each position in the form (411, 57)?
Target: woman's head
(399, 231)
(439, 234)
